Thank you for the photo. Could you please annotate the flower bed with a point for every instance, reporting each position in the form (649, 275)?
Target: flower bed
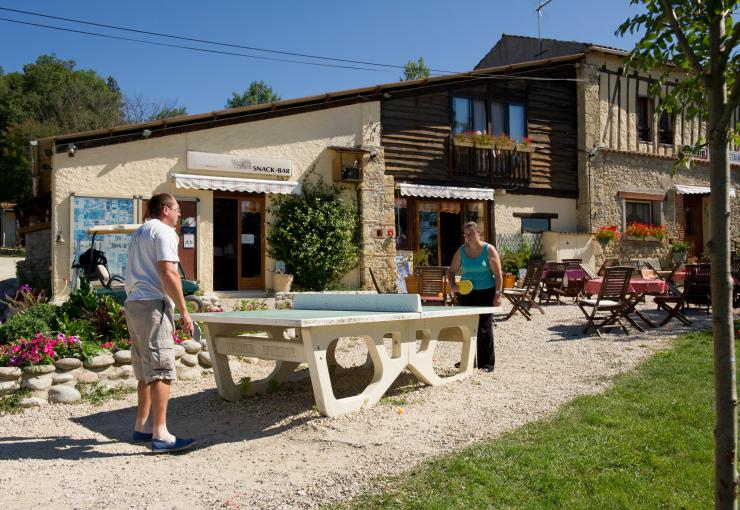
(48, 350)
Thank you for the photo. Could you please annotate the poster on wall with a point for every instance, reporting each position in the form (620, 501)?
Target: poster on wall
(89, 212)
(403, 269)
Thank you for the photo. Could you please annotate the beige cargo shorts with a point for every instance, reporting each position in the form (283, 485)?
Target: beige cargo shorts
(151, 326)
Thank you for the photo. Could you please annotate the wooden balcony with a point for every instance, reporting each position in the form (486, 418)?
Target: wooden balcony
(495, 167)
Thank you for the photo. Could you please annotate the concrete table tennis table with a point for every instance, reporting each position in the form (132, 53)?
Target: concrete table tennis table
(319, 320)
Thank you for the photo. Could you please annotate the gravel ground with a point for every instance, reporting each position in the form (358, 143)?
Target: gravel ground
(276, 451)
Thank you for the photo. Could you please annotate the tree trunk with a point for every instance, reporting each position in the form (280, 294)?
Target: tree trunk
(725, 434)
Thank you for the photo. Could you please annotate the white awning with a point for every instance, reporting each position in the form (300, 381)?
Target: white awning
(190, 181)
(427, 190)
(683, 189)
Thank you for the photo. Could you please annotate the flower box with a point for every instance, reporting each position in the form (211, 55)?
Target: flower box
(524, 148)
(505, 147)
(464, 143)
(649, 239)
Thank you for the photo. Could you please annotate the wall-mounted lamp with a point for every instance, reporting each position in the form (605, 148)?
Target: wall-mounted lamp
(60, 238)
(146, 133)
(373, 154)
(387, 96)
(71, 148)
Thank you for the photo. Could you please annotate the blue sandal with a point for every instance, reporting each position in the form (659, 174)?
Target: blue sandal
(141, 437)
(175, 446)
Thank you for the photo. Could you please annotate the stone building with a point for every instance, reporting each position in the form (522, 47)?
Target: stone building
(626, 152)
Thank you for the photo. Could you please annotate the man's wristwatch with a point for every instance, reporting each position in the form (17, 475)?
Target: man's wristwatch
(498, 292)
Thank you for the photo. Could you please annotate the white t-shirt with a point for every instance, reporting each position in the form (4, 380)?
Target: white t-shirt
(152, 242)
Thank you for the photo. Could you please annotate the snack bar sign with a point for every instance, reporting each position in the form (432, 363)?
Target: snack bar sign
(276, 167)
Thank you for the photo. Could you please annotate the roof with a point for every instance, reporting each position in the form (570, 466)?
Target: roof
(516, 49)
(285, 107)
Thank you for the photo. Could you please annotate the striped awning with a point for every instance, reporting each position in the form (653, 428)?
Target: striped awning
(683, 189)
(190, 181)
(428, 190)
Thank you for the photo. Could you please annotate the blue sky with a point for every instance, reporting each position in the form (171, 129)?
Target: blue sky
(451, 36)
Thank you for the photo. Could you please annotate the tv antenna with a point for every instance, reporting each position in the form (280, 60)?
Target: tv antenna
(541, 4)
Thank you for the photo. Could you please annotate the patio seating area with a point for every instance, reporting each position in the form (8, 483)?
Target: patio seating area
(618, 294)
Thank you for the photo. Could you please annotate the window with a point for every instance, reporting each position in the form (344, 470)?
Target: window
(644, 119)
(639, 212)
(536, 225)
(665, 128)
(509, 119)
(517, 122)
(498, 118)
(468, 114)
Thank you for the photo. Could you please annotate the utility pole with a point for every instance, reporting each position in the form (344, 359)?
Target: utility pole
(541, 4)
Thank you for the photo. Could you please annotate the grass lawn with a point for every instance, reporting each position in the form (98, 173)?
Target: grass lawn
(645, 443)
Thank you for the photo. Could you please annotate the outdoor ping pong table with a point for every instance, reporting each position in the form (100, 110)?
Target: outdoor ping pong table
(319, 320)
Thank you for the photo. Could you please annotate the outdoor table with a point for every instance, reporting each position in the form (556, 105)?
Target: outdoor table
(319, 320)
(678, 276)
(638, 288)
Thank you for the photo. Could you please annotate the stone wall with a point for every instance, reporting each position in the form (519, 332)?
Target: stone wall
(36, 268)
(57, 383)
(377, 202)
(612, 172)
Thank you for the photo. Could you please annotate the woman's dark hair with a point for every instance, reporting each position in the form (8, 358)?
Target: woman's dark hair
(157, 203)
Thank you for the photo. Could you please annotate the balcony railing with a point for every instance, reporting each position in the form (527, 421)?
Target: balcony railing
(497, 167)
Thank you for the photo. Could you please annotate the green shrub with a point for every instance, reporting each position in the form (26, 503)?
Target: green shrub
(317, 234)
(37, 319)
(250, 305)
(679, 247)
(511, 261)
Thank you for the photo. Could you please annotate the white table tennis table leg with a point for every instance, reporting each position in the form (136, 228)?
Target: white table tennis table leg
(317, 342)
(227, 388)
(442, 329)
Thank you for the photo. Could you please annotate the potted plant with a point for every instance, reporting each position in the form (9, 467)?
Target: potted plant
(645, 232)
(679, 249)
(510, 264)
(421, 258)
(281, 281)
(525, 145)
(605, 234)
(503, 142)
(465, 139)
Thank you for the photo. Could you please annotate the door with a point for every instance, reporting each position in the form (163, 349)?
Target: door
(693, 234)
(250, 254)
(187, 231)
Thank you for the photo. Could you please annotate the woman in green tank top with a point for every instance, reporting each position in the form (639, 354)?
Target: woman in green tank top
(479, 262)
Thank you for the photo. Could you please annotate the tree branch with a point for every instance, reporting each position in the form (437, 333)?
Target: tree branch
(690, 55)
(732, 102)
(731, 42)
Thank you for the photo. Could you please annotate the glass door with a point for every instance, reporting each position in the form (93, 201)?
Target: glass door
(251, 244)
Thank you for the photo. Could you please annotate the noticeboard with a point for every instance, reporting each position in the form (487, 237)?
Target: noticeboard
(90, 211)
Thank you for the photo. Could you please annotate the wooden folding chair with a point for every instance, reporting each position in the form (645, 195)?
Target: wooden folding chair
(608, 262)
(700, 292)
(574, 286)
(431, 284)
(552, 281)
(523, 299)
(611, 299)
(675, 301)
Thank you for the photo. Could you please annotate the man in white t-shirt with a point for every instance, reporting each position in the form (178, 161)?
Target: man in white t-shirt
(153, 289)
